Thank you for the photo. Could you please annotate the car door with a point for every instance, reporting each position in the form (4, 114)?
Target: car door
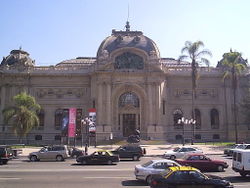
(157, 168)
(43, 153)
(181, 152)
(95, 158)
(123, 152)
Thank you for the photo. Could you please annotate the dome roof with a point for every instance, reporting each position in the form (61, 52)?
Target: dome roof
(127, 39)
(18, 58)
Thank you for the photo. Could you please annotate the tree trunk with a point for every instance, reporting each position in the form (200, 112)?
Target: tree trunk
(234, 84)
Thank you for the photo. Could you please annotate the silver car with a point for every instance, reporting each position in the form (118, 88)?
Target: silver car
(58, 153)
(144, 172)
(180, 152)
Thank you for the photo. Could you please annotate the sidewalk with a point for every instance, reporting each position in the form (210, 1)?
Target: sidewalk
(151, 150)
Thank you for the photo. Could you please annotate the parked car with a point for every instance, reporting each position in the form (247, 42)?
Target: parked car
(75, 152)
(58, 153)
(98, 157)
(203, 162)
(131, 151)
(180, 152)
(229, 151)
(241, 161)
(6, 153)
(146, 171)
(187, 177)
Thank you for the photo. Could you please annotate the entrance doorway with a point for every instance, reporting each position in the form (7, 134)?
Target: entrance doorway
(128, 121)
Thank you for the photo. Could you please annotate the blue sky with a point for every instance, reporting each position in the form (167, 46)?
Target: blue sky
(56, 30)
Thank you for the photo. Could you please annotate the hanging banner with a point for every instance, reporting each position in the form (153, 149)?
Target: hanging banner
(65, 122)
(72, 122)
(92, 117)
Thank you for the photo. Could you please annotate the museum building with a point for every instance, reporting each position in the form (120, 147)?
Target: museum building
(131, 87)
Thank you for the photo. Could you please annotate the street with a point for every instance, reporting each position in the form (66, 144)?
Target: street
(21, 173)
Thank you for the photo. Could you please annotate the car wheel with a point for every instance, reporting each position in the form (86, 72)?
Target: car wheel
(135, 158)
(149, 180)
(243, 174)
(33, 158)
(59, 158)
(5, 162)
(110, 162)
(220, 168)
(172, 157)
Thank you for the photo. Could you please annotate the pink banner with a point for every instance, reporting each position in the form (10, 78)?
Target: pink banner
(72, 122)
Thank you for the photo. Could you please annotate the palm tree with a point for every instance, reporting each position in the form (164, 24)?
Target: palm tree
(233, 64)
(22, 115)
(193, 52)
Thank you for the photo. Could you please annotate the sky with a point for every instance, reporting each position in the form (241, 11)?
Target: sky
(55, 30)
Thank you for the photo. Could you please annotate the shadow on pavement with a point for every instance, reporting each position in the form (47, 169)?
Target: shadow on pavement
(79, 164)
(163, 148)
(238, 179)
(133, 183)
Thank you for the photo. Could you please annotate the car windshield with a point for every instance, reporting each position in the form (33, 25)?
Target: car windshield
(176, 149)
(147, 164)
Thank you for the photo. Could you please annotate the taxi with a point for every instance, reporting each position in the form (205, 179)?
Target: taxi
(98, 157)
(187, 177)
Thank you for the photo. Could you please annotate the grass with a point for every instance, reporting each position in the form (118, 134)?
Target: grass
(216, 143)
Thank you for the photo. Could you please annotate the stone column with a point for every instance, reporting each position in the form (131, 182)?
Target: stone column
(99, 104)
(149, 108)
(3, 94)
(108, 104)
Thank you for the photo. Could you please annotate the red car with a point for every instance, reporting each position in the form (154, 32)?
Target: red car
(203, 163)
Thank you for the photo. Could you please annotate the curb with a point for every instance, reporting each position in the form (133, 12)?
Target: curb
(160, 155)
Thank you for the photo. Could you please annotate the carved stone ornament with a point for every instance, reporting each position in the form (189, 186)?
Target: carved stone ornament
(128, 61)
(104, 55)
(60, 93)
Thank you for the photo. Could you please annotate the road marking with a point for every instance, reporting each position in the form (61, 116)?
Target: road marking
(9, 178)
(64, 170)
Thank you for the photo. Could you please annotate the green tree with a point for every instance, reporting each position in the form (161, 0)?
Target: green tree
(22, 116)
(194, 53)
(233, 65)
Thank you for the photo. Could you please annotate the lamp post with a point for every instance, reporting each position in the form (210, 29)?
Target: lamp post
(85, 122)
(183, 121)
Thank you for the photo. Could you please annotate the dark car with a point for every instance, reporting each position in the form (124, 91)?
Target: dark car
(203, 163)
(133, 151)
(75, 152)
(6, 153)
(176, 177)
(98, 157)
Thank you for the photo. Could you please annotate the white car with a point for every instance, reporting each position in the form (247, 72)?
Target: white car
(180, 152)
(145, 171)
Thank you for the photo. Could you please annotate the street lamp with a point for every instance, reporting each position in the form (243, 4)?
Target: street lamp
(86, 122)
(183, 121)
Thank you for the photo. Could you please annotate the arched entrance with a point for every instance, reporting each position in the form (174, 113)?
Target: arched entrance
(129, 113)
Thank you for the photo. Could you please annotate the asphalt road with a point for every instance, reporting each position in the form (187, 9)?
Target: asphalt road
(20, 173)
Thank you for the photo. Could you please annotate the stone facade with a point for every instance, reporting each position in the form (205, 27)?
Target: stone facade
(130, 86)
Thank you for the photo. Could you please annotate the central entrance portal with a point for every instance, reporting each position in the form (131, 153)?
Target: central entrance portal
(129, 124)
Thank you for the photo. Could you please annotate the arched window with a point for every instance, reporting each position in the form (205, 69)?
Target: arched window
(214, 115)
(128, 61)
(38, 137)
(177, 114)
(41, 116)
(129, 98)
(58, 118)
(197, 117)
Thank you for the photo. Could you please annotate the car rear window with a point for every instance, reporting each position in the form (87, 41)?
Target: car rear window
(147, 164)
